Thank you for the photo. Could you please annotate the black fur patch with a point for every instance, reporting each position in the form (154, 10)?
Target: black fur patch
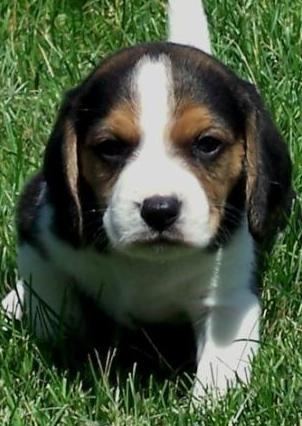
(152, 348)
(234, 212)
(28, 212)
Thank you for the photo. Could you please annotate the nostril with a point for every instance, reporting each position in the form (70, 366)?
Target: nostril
(160, 212)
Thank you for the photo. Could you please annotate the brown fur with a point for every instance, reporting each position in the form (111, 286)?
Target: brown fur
(121, 123)
(100, 177)
(190, 122)
(218, 178)
(71, 165)
(251, 154)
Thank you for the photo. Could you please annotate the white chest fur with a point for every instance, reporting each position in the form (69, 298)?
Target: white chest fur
(143, 289)
(154, 287)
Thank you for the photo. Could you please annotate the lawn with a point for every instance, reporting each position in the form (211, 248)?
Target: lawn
(49, 46)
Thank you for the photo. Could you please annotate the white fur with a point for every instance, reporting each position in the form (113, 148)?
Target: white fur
(188, 24)
(152, 84)
(13, 302)
(228, 344)
(229, 339)
(154, 171)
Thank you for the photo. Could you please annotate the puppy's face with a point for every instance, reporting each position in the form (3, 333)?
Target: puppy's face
(161, 161)
(166, 144)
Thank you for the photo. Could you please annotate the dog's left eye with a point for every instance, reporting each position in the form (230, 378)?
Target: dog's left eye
(113, 151)
(206, 147)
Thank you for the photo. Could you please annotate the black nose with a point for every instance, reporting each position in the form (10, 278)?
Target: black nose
(160, 212)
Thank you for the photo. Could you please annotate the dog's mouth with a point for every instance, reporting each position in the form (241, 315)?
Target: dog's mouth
(160, 241)
(170, 238)
(159, 247)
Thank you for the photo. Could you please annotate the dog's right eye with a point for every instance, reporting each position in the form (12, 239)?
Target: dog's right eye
(207, 147)
(112, 151)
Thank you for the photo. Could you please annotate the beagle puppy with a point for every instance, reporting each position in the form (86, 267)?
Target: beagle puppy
(163, 171)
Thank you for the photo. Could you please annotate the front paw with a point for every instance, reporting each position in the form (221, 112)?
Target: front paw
(215, 378)
(13, 302)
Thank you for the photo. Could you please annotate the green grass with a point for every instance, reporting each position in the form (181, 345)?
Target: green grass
(47, 47)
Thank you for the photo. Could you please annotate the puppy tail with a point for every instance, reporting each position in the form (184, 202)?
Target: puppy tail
(188, 24)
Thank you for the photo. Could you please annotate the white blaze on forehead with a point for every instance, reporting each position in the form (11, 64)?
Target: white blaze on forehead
(154, 170)
(154, 95)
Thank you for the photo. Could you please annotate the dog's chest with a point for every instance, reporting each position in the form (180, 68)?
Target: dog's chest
(131, 289)
(151, 291)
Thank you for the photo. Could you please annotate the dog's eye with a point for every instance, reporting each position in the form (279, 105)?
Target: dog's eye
(113, 151)
(206, 147)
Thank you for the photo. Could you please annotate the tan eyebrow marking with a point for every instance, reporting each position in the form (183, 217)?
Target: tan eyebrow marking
(193, 120)
(121, 122)
(190, 121)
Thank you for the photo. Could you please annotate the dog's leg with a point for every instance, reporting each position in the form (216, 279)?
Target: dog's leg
(13, 302)
(46, 295)
(227, 344)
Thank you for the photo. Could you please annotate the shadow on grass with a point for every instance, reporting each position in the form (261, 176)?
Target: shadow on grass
(162, 351)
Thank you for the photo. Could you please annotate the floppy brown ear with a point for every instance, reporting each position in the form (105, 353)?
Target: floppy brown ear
(269, 191)
(61, 173)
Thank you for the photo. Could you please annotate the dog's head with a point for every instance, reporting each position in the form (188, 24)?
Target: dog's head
(163, 144)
